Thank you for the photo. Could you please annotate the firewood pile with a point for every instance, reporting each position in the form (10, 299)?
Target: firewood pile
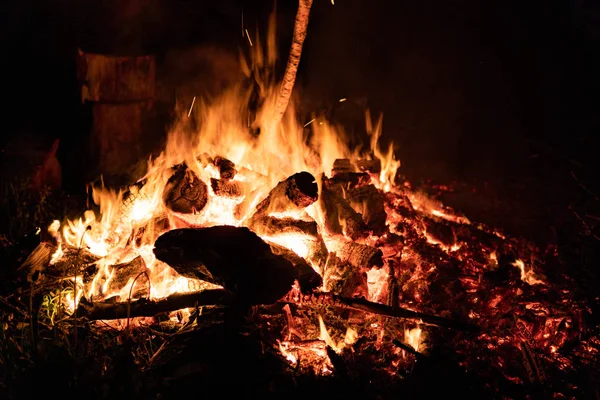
(333, 275)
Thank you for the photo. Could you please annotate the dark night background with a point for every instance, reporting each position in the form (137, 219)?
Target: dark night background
(498, 96)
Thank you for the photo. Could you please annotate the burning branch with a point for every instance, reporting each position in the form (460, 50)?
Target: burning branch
(148, 308)
(291, 69)
(361, 304)
(220, 297)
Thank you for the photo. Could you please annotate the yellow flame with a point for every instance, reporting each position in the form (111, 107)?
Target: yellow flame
(527, 276)
(349, 339)
(127, 223)
(412, 337)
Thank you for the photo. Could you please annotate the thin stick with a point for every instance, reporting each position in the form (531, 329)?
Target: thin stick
(289, 77)
(361, 304)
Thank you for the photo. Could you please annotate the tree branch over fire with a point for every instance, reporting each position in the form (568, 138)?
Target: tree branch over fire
(289, 77)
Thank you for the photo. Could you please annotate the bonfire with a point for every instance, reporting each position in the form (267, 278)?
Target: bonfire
(325, 253)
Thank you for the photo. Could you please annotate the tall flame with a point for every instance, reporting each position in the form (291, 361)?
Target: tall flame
(224, 127)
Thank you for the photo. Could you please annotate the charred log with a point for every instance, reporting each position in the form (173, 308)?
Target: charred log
(74, 261)
(123, 273)
(226, 188)
(341, 165)
(295, 193)
(360, 255)
(372, 166)
(368, 201)
(344, 165)
(308, 278)
(390, 244)
(344, 279)
(149, 308)
(347, 180)
(440, 231)
(272, 226)
(185, 193)
(141, 234)
(226, 168)
(340, 217)
(233, 257)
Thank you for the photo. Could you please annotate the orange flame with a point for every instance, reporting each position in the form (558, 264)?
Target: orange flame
(223, 130)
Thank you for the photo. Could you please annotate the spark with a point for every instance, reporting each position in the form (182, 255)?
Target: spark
(248, 36)
(342, 100)
(192, 106)
(333, 2)
(309, 122)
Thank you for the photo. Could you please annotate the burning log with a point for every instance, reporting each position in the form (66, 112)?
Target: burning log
(372, 166)
(340, 217)
(226, 188)
(341, 165)
(360, 255)
(308, 278)
(73, 261)
(295, 193)
(123, 273)
(271, 226)
(149, 308)
(226, 168)
(347, 180)
(233, 257)
(370, 203)
(344, 166)
(344, 279)
(185, 193)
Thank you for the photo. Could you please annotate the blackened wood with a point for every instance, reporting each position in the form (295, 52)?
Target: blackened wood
(360, 255)
(347, 180)
(226, 168)
(308, 278)
(226, 188)
(339, 216)
(295, 193)
(122, 273)
(234, 257)
(372, 166)
(149, 308)
(440, 231)
(369, 201)
(73, 261)
(342, 165)
(344, 279)
(184, 192)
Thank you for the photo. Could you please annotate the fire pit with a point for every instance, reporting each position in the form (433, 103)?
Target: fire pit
(287, 263)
